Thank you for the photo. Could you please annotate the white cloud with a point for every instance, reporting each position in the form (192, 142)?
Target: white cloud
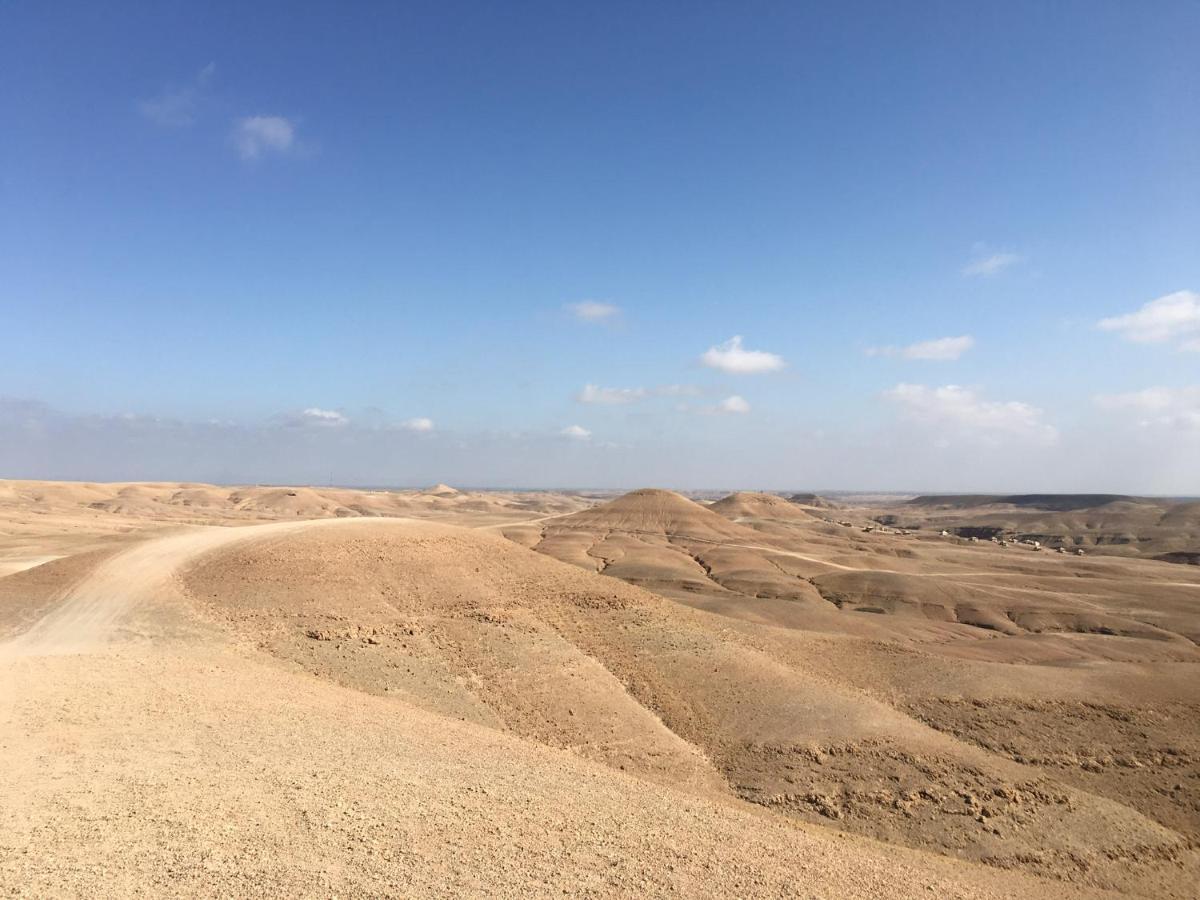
(325, 418)
(577, 432)
(677, 390)
(420, 424)
(1176, 408)
(961, 410)
(990, 265)
(940, 349)
(255, 136)
(609, 396)
(593, 311)
(1154, 399)
(734, 404)
(1172, 317)
(606, 396)
(947, 348)
(733, 358)
(731, 405)
(177, 106)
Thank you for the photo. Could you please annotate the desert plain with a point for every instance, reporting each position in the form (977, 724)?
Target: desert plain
(301, 691)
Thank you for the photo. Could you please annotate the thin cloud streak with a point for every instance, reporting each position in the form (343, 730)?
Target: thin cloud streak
(178, 106)
(603, 396)
(941, 349)
(593, 311)
(256, 136)
(991, 265)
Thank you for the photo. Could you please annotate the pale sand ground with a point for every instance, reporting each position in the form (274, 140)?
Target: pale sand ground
(169, 727)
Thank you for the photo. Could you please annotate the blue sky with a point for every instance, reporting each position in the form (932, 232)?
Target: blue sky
(300, 241)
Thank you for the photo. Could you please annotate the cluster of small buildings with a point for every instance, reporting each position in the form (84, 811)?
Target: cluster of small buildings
(1002, 542)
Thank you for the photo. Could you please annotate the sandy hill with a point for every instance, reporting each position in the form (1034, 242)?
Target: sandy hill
(213, 504)
(654, 538)
(751, 505)
(800, 572)
(1104, 523)
(995, 619)
(814, 500)
(305, 502)
(199, 496)
(472, 627)
(1184, 514)
(655, 512)
(370, 704)
(437, 723)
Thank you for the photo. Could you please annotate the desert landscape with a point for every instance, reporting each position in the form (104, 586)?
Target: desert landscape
(600, 450)
(336, 692)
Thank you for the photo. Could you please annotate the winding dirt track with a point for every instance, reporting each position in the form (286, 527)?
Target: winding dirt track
(88, 613)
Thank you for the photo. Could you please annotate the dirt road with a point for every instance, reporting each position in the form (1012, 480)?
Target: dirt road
(89, 613)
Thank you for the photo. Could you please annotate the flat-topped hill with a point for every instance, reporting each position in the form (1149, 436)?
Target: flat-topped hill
(1051, 502)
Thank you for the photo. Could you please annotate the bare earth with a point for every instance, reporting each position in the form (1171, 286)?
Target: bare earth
(449, 693)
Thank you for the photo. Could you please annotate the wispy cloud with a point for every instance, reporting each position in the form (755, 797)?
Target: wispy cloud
(735, 405)
(610, 396)
(986, 264)
(256, 136)
(1173, 408)
(593, 311)
(1174, 317)
(178, 105)
(322, 418)
(576, 432)
(952, 409)
(592, 393)
(678, 390)
(941, 349)
(735, 359)
(419, 424)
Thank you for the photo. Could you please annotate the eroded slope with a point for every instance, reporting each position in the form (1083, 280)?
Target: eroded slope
(473, 627)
